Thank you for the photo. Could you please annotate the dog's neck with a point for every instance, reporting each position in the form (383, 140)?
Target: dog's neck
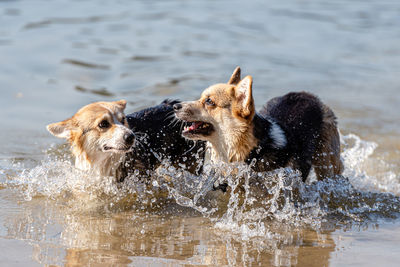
(104, 164)
(233, 145)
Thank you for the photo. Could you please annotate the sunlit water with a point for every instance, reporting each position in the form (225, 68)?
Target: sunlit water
(60, 55)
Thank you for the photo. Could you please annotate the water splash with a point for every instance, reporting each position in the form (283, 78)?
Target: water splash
(253, 201)
(365, 172)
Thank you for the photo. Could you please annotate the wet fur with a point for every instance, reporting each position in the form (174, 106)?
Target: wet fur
(311, 131)
(159, 139)
(233, 138)
(96, 149)
(296, 129)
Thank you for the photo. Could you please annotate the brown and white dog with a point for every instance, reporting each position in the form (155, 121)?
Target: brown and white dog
(296, 129)
(99, 136)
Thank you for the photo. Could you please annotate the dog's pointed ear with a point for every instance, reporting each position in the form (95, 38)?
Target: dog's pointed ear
(121, 103)
(244, 97)
(235, 78)
(61, 129)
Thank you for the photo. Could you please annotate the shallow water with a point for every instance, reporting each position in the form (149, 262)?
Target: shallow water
(58, 56)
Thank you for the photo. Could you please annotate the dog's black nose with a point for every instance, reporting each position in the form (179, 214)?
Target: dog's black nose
(177, 106)
(129, 137)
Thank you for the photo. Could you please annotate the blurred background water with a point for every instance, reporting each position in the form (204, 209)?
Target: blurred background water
(57, 56)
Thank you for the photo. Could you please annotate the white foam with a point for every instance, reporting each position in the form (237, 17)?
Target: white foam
(253, 201)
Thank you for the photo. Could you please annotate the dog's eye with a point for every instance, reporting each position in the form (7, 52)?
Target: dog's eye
(209, 102)
(104, 124)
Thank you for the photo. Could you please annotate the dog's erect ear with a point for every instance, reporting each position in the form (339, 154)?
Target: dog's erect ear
(60, 129)
(121, 103)
(244, 97)
(235, 78)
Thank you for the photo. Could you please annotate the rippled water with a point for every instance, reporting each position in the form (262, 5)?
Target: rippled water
(60, 55)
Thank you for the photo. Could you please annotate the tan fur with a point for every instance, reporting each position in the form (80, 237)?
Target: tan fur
(235, 77)
(231, 117)
(95, 148)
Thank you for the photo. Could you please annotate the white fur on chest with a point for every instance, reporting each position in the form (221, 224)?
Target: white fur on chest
(103, 165)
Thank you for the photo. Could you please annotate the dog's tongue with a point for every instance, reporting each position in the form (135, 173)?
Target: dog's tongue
(195, 125)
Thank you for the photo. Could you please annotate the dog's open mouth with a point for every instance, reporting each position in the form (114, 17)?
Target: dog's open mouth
(197, 128)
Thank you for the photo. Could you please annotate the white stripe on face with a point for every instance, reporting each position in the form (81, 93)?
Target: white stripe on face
(116, 120)
(115, 115)
(117, 140)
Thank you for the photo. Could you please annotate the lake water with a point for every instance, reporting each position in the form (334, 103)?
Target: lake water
(57, 56)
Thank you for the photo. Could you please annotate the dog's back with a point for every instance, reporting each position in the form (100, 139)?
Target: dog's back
(311, 132)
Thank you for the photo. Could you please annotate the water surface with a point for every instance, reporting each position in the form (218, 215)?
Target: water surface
(60, 55)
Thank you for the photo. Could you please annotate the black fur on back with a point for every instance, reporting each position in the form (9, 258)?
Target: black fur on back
(159, 138)
(300, 115)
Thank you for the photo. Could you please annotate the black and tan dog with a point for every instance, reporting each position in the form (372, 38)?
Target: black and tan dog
(296, 129)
